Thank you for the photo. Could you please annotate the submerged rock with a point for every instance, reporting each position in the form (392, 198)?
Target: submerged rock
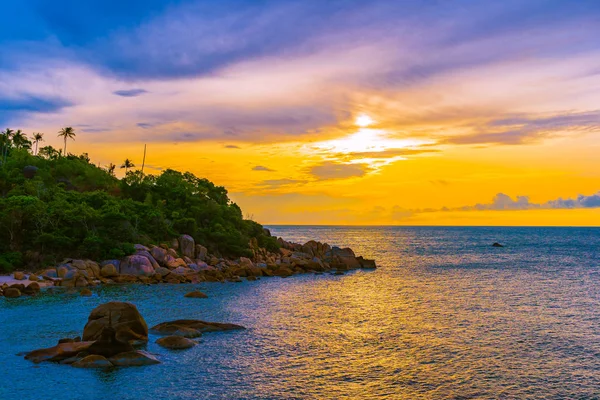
(175, 342)
(12, 293)
(93, 361)
(196, 295)
(167, 328)
(496, 244)
(128, 323)
(133, 359)
(59, 352)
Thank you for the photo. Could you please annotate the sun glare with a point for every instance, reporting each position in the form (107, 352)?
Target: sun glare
(363, 120)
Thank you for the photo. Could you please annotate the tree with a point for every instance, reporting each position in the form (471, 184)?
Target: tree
(67, 133)
(6, 144)
(37, 138)
(127, 164)
(20, 140)
(49, 153)
(111, 169)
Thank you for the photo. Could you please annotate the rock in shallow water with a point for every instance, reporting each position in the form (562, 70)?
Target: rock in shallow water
(175, 342)
(166, 328)
(133, 359)
(93, 361)
(196, 295)
(126, 320)
(59, 352)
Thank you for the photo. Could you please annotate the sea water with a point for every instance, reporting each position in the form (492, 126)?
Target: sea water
(446, 316)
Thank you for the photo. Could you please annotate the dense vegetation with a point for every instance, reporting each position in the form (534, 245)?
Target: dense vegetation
(53, 207)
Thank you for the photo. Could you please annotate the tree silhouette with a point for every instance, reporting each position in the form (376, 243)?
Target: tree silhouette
(7, 135)
(127, 164)
(37, 138)
(20, 140)
(111, 169)
(66, 133)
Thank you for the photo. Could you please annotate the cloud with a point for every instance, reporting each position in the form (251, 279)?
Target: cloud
(334, 170)
(528, 128)
(278, 183)
(145, 125)
(502, 202)
(261, 168)
(231, 146)
(130, 92)
(13, 107)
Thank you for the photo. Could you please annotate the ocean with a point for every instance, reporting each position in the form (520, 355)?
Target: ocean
(446, 316)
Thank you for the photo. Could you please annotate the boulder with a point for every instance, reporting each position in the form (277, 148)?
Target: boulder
(29, 171)
(50, 274)
(92, 268)
(133, 359)
(59, 352)
(162, 271)
(187, 246)
(140, 247)
(33, 278)
(496, 244)
(196, 295)
(283, 272)
(136, 265)
(85, 292)
(201, 252)
(246, 262)
(167, 328)
(159, 254)
(173, 263)
(128, 323)
(116, 263)
(12, 293)
(79, 264)
(181, 270)
(32, 289)
(108, 271)
(93, 361)
(18, 275)
(175, 342)
(365, 263)
(149, 257)
(175, 244)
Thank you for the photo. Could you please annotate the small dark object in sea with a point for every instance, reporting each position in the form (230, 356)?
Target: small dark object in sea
(496, 244)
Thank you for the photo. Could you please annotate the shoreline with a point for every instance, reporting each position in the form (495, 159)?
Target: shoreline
(184, 261)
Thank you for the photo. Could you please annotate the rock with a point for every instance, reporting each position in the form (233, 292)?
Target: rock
(140, 247)
(196, 295)
(149, 257)
(29, 171)
(136, 265)
(81, 281)
(173, 263)
(79, 264)
(133, 359)
(181, 270)
(187, 246)
(162, 271)
(246, 263)
(32, 289)
(18, 275)
(50, 273)
(59, 352)
(116, 263)
(367, 264)
(12, 293)
(175, 244)
(201, 252)
(159, 254)
(266, 232)
(85, 293)
(33, 278)
(175, 342)
(93, 361)
(126, 320)
(283, 272)
(166, 328)
(108, 271)
(496, 244)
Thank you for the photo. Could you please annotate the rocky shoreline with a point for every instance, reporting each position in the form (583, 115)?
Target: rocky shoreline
(184, 261)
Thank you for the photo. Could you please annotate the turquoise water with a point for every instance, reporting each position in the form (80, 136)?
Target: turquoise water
(446, 316)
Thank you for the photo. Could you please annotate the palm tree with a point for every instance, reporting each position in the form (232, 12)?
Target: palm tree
(5, 144)
(37, 138)
(127, 164)
(67, 133)
(20, 140)
(111, 168)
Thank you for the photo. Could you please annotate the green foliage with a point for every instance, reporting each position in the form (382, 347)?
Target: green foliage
(72, 208)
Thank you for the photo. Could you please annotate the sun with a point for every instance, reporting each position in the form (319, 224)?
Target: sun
(363, 120)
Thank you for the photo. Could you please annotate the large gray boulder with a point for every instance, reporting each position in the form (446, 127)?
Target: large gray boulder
(136, 265)
(187, 246)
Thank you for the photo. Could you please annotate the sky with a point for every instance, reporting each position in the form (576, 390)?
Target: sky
(338, 112)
